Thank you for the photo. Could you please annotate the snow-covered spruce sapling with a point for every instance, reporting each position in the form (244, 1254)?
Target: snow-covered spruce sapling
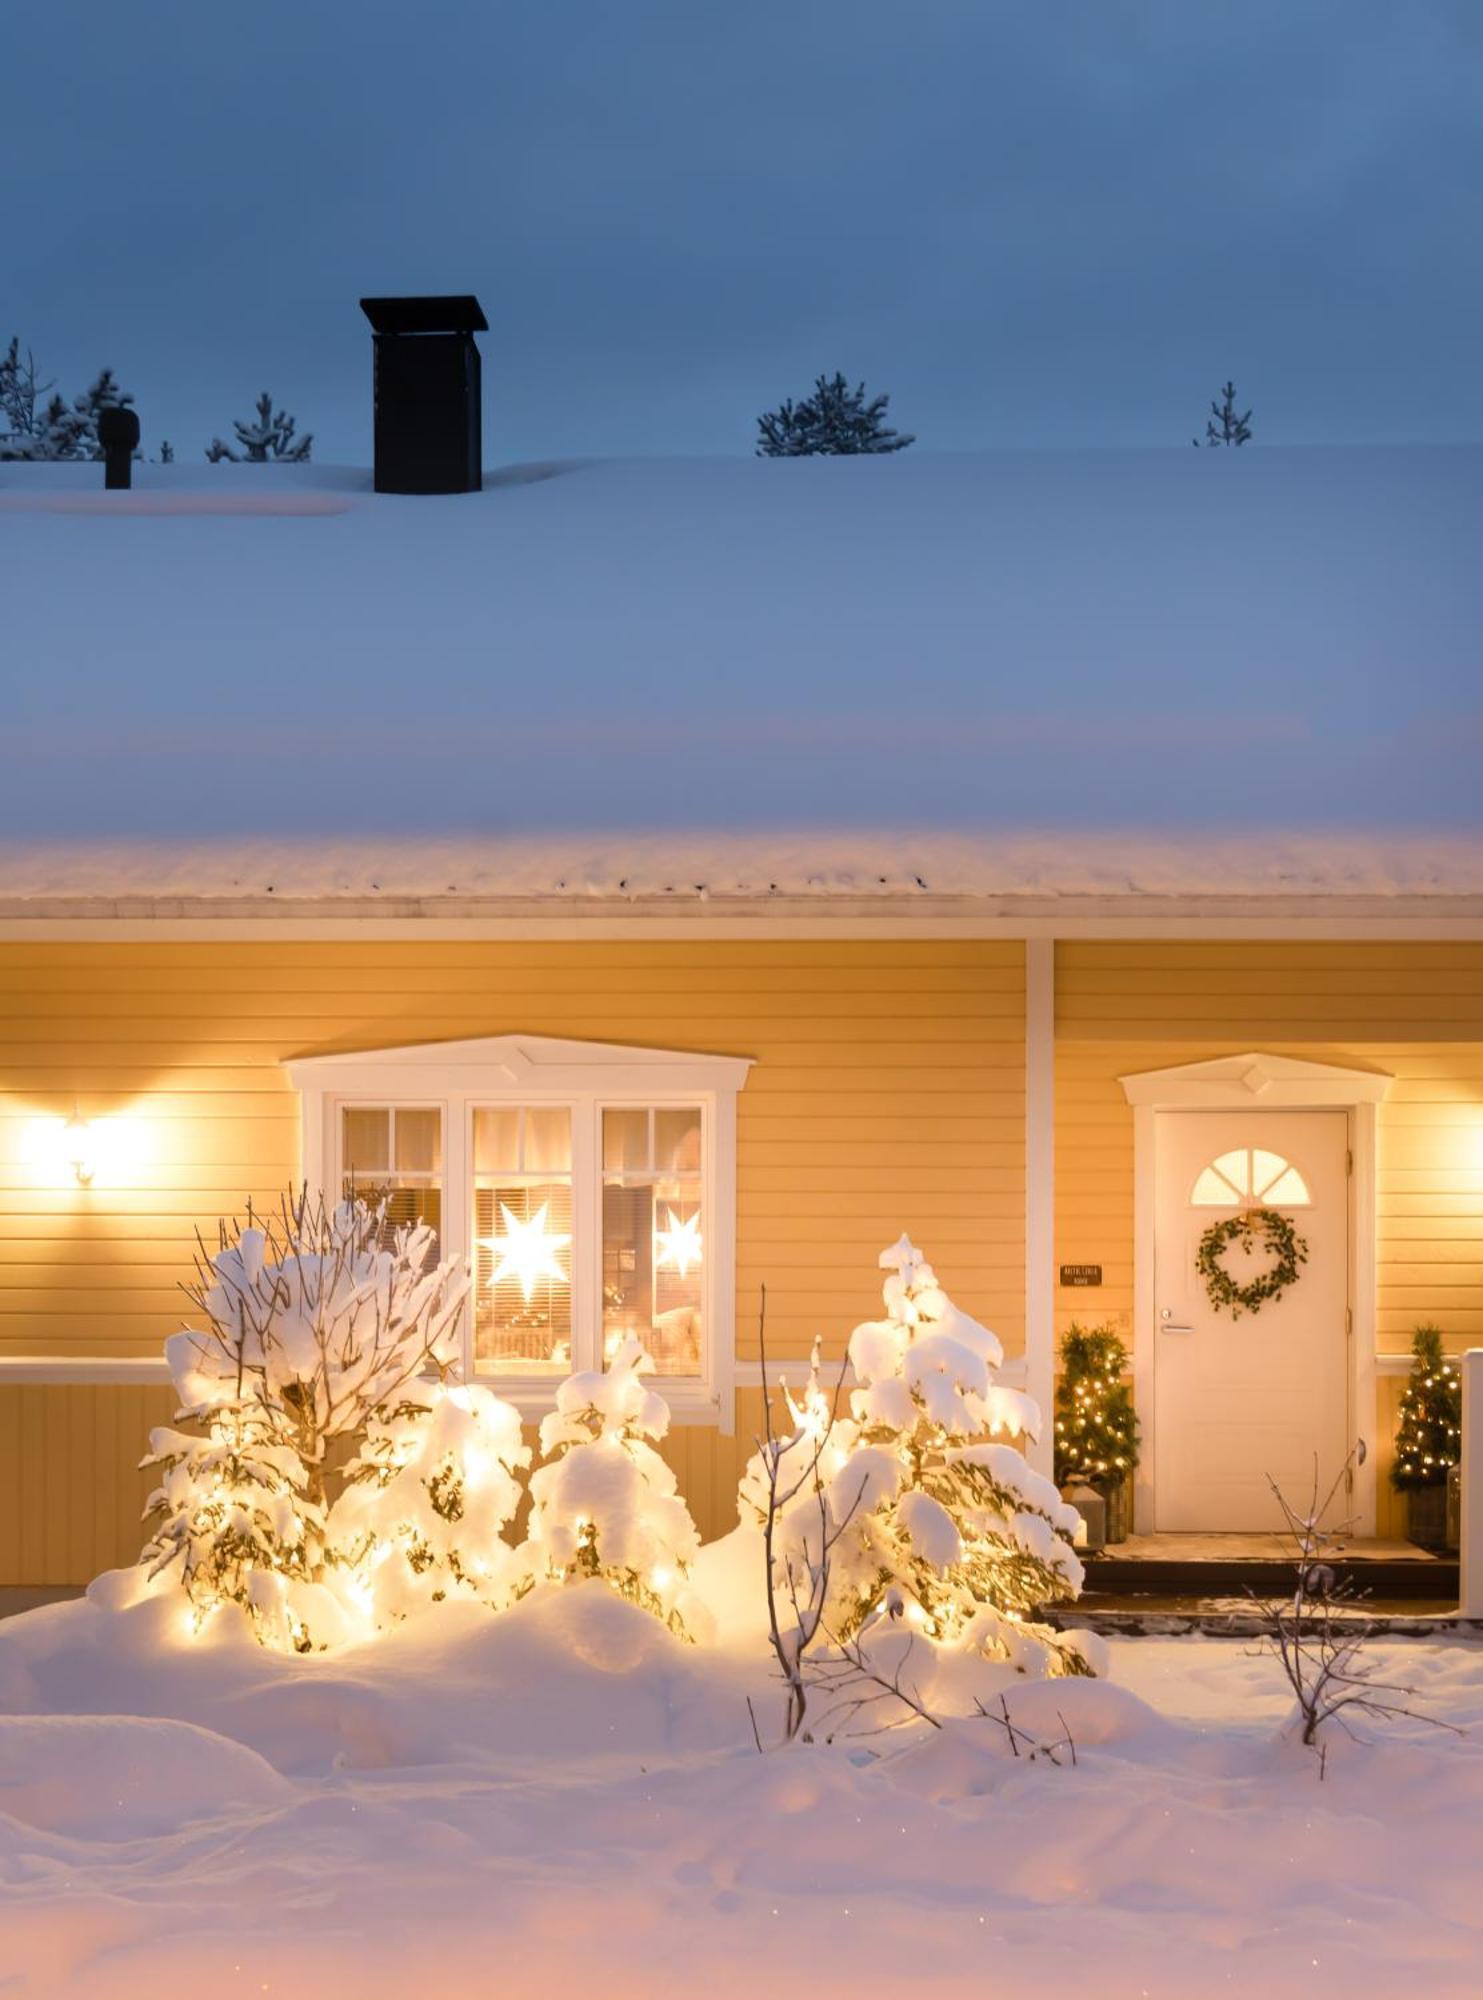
(605, 1506)
(1225, 424)
(945, 1531)
(1096, 1428)
(835, 421)
(426, 1501)
(269, 437)
(233, 1523)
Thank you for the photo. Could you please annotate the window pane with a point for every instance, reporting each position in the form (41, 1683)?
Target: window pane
(523, 1238)
(653, 1239)
(625, 1141)
(677, 1140)
(548, 1139)
(366, 1142)
(497, 1141)
(1237, 1169)
(411, 1191)
(419, 1136)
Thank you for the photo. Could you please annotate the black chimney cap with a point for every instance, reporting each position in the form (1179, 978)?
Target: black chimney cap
(452, 312)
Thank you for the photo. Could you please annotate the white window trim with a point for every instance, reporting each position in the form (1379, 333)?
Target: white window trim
(458, 1077)
(1270, 1082)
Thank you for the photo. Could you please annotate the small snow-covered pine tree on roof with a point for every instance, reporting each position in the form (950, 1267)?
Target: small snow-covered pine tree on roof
(605, 1506)
(935, 1525)
(31, 428)
(270, 437)
(426, 1501)
(835, 421)
(1225, 424)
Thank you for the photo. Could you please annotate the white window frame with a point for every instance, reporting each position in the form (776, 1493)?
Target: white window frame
(461, 1077)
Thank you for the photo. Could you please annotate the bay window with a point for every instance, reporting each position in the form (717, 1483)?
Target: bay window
(591, 1189)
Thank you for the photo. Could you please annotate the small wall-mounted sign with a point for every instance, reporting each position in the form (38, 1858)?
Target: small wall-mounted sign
(1081, 1274)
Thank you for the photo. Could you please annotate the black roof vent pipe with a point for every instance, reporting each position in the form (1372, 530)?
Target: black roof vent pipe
(429, 436)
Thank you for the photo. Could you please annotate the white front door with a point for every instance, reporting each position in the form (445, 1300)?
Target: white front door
(1237, 1400)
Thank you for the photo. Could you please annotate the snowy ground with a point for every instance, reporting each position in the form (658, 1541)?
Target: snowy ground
(564, 1800)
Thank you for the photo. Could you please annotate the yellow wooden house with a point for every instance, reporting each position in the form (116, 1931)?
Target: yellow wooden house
(635, 1078)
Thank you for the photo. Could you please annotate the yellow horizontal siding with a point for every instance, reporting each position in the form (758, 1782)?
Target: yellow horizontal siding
(887, 1094)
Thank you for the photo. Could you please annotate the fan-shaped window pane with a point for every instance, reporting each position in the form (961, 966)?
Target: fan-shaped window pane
(1290, 1189)
(1247, 1173)
(1213, 1190)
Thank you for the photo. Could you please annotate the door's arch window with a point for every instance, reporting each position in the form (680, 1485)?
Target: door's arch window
(1250, 1174)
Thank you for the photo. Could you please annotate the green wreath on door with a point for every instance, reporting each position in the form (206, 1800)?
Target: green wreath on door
(1253, 1228)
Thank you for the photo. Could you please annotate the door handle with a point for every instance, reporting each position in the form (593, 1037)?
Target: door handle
(1168, 1324)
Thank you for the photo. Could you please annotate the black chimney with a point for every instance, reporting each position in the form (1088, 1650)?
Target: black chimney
(426, 372)
(118, 435)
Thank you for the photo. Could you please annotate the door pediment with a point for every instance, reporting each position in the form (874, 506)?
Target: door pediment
(1254, 1079)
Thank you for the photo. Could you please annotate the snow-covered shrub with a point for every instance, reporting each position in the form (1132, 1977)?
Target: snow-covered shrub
(234, 1523)
(925, 1519)
(316, 1321)
(425, 1503)
(605, 1505)
(322, 1316)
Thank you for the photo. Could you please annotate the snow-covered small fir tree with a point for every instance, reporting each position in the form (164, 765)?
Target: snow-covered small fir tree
(835, 421)
(605, 1505)
(233, 1523)
(426, 1501)
(270, 436)
(929, 1521)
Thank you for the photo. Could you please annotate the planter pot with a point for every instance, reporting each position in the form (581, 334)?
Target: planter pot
(1092, 1508)
(1119, 1510)
(1426, 1516)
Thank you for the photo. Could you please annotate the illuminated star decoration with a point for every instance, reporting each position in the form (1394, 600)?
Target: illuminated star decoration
(526, 1252)
(678, 1247)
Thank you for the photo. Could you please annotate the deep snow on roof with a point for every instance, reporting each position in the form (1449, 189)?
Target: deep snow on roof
(1254, 640)
(699, 872)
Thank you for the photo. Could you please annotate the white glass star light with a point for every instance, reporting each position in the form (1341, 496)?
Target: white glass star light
(526, 1252)
(678, 1247)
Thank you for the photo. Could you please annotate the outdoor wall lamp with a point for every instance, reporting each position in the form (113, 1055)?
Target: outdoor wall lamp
(80, 1150)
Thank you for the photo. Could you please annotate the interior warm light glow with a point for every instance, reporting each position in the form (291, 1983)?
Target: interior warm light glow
(678, 1247)
(527, 1252)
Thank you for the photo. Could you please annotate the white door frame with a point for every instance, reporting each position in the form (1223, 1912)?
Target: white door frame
(1258, 1082)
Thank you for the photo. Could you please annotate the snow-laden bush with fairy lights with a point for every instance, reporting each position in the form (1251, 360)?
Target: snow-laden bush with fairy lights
(234, 1522)
(315, 1321)
(426, 1501)
(605, 1506)
(925, 1517)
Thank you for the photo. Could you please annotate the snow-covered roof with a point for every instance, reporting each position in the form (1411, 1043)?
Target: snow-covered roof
(545, 688)
(710, 874)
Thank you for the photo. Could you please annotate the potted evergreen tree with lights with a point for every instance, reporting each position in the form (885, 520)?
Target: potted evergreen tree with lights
(1428, 1438)
(1096, 1426)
